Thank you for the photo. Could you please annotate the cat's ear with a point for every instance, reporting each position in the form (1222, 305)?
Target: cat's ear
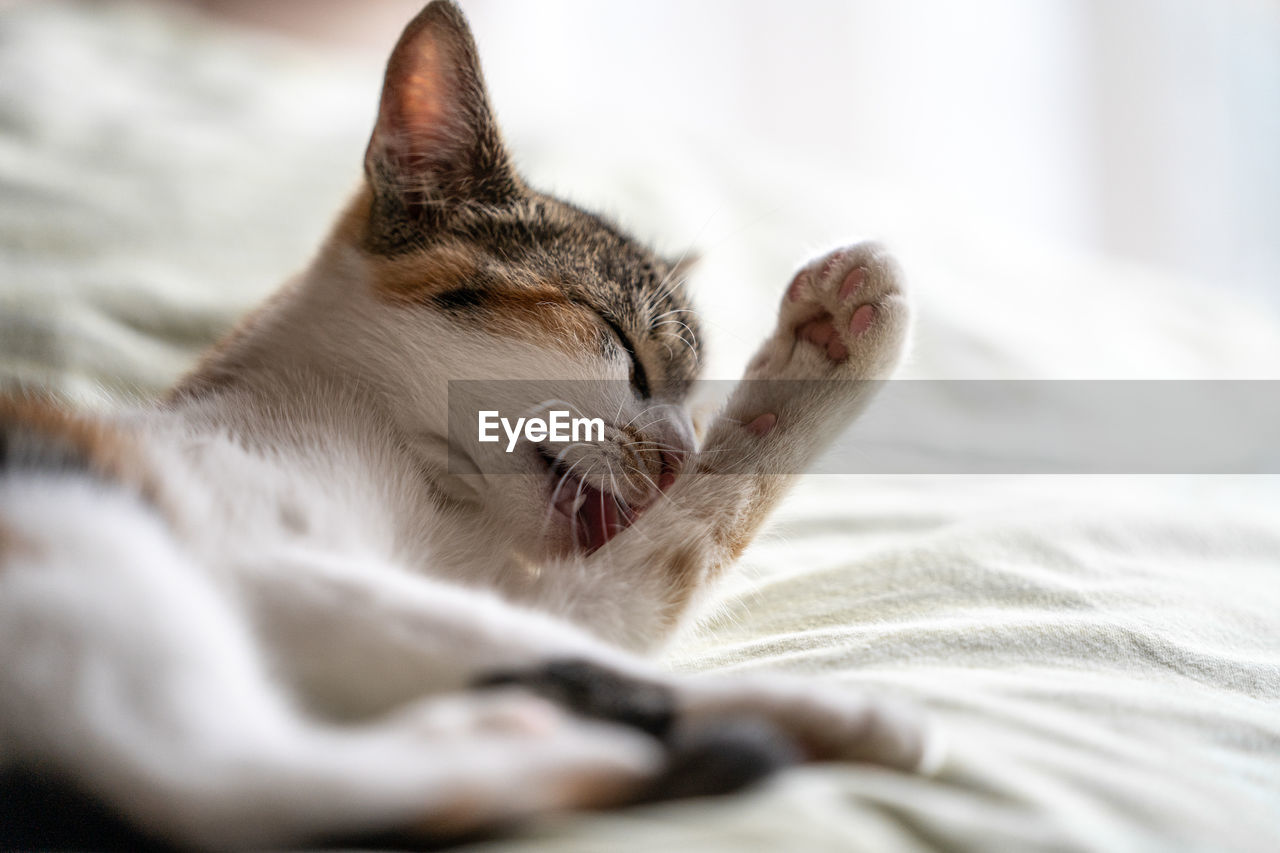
(436, 139)
(683, 267)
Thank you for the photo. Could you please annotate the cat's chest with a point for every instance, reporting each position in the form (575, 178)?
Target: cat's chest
(242, 502)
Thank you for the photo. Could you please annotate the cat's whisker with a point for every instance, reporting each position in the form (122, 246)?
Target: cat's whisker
(551, 506)
(641, 473)
(550, 510)
(662, 295)
(689, 248)
(660, 496)
(669, 281)
(577, 499)
(565, 475)
(646, 410)
(559, 458)
(657, 420)
(680, 335)
(618, 502)
(666, 314)
(555, 493)
(674, 322)
(582, 484)
(688, 344)
(661, 445)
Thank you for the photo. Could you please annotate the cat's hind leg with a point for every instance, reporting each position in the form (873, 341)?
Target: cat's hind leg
(363, 637)
(128, 674)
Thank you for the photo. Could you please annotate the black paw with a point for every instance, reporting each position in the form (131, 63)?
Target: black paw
(595, 691)
(720, 757)
(706, 758)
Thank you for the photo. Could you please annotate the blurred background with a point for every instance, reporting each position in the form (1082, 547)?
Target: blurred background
(1148, 130)
(1083, 189)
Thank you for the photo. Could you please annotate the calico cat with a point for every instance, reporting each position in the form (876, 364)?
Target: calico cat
(275, 607)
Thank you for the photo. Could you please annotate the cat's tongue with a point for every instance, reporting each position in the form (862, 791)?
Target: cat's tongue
(597, 516)
(599, 520)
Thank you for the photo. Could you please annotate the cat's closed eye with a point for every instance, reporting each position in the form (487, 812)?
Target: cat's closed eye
(639, 378)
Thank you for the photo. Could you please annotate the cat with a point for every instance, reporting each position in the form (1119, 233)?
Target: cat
(281, 605)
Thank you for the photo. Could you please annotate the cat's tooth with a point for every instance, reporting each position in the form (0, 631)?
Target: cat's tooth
(563, 500)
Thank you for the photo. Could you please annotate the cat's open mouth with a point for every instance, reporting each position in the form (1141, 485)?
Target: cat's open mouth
(595, 515)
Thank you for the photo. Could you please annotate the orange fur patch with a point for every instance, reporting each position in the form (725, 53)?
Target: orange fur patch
(767, 491)
(544, 315)
(687, 570)
(353, 222)
(516, 305)
(101, 448)
(415, 278)
(692, 566)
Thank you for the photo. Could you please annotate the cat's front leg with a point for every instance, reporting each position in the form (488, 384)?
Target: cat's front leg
(842, 327)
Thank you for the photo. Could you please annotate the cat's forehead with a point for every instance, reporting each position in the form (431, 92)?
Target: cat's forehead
(534, 243)
(544, 231)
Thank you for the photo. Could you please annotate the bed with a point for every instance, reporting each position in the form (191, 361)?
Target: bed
(1101, 652)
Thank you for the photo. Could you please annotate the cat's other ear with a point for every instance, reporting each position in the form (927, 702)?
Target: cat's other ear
(682, 268)
(436, 139)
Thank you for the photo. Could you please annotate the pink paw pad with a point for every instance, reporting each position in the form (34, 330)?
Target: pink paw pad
(852, 282)
(818, 332)
(763, 425)
(862, 319)
(830, 263)
(797, 284)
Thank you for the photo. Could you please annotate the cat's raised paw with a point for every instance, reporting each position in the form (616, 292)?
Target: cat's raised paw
(842, 327)
(844, 315)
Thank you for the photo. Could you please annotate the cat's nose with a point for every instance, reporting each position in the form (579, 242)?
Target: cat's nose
(674, 434)
(675, 430)
(671, 463)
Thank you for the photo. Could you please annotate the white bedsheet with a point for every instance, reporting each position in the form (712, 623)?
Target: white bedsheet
(1103, 653)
